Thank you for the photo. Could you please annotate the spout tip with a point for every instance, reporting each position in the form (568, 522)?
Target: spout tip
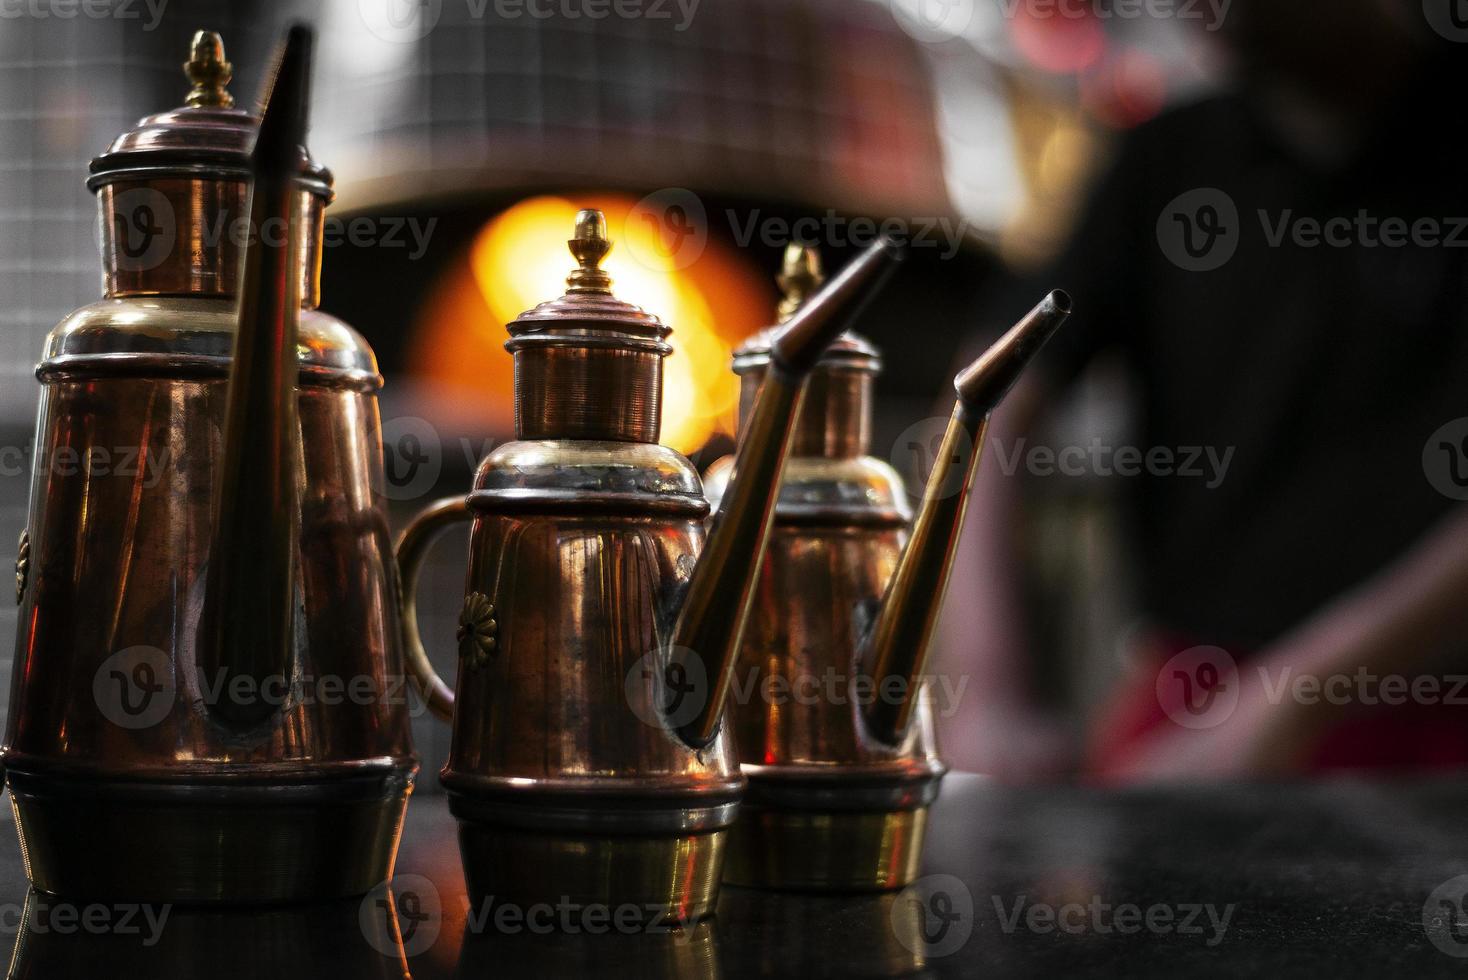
(983, 384)
(822, 317)
(283, 119)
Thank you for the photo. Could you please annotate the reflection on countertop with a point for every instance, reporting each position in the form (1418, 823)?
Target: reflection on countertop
(1345, 877)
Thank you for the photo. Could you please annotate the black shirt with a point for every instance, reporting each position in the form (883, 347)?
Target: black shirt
(1325, 368)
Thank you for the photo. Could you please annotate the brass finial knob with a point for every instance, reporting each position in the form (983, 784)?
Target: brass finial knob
(209, 72)
(800, 275)
(589, 247)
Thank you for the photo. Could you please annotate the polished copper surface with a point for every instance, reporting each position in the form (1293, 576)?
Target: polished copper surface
(123, 779)
(836, 421)
(706, 636)
(829, 807)
(579, 594)
(832, 804)
(588, 365)
(118, 561)
(587, 759)
(806, 849)
(177, 236)
(172, 193)
(664, 877)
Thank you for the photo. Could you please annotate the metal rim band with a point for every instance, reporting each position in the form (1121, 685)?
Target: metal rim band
(318, 183)
(263, 788)
(85, 367)
(587, 342)
(837, 515)
(602, 817)
(583, 504)
(838, 794)
(860, 363)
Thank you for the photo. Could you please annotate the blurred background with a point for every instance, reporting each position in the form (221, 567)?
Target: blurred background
(464, 135)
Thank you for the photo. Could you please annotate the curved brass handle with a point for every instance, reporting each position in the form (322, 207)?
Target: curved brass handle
(411, 548)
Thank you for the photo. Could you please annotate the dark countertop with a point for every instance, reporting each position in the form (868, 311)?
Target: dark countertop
(1328, 878)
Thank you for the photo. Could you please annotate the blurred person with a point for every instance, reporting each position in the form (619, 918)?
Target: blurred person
(1235, 260)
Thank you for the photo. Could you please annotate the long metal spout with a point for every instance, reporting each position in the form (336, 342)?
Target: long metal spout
(710, 625)
(897, 646)
(247, 625)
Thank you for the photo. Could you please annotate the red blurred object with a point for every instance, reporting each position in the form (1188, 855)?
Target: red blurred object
(1057, 38)
(1406, 737)
(1126, 90)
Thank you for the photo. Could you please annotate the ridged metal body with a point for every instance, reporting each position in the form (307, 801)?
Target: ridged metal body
(124, 779)
(832, 719)
(565, 779)
(589, 764)
(828, 806)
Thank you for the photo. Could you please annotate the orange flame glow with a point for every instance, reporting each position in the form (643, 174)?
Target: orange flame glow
(519, 258)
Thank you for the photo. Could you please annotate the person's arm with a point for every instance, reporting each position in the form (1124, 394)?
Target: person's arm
(1409, 619)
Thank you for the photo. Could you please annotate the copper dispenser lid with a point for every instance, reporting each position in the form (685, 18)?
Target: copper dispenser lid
(587, 364)
(174, 200)
(800, 276)
(206, 138)
(173, 192)
(836, 419)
